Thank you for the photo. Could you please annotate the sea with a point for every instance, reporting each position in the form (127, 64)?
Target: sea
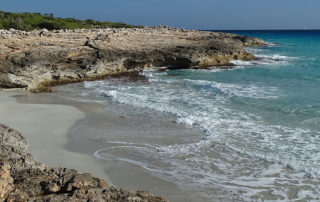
(260, 120)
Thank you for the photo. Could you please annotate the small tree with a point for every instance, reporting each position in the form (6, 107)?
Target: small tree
(19, 23)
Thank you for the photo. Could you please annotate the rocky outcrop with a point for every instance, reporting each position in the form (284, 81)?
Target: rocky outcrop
(24, 179)
(6, 181)
(42, 58)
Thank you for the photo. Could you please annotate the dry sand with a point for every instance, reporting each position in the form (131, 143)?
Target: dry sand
(46, 127)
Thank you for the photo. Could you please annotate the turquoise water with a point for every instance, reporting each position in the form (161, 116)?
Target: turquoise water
(261, 120)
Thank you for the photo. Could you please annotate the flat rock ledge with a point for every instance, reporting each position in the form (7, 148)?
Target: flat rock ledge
(22, 178)
(45, 58)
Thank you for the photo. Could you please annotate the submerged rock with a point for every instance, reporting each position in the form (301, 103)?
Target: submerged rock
(23, 179)
(43, 58)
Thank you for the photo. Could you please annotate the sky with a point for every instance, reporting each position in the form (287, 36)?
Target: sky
(191, 14)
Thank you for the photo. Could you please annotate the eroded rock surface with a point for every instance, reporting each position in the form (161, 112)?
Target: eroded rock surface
(43, 58)
(24, 179)
(6, 181)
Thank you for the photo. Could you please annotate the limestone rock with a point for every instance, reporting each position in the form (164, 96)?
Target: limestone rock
(6, 181)
(18, 196)
(13, 138)
(41, 58)
(13, 148)
(38, 182)
(91, 44)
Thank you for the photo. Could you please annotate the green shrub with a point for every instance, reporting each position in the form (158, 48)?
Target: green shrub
(31, 21)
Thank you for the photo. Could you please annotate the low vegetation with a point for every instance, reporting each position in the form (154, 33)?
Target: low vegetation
(32, 21)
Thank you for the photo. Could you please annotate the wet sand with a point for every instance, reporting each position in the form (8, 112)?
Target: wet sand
(67, 133)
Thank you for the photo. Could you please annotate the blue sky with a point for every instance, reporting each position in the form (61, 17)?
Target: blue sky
(192, 14)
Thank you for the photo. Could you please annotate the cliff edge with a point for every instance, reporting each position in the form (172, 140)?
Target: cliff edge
(43, 58)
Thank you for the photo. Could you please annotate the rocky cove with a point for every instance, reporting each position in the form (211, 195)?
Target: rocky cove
(40, 59)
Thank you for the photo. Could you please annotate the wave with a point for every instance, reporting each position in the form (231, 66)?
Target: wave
(271, 44)
(232, 136)
(192, 164)
(241, 151)
(191, 101)
(228, 89)
(240, 90)
(272, 143)
(264, 60)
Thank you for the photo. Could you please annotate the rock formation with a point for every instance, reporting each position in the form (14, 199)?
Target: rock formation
(22, 178)
(42, 58)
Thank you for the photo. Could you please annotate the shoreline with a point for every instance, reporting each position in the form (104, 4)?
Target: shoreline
(81, 147)
(140, 149)
(46, 126)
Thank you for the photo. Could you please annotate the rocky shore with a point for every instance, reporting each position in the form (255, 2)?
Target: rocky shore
(22, 178)
(39, 59)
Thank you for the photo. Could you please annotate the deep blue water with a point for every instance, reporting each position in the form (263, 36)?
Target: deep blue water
(263, 114)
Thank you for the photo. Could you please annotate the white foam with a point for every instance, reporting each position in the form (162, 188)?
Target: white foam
(241, 132)
(213, 161)
(270, 44)
(264, 60)
(241, 90)
(243, 63)
(274, 57)
(223, 125)
(192, 166)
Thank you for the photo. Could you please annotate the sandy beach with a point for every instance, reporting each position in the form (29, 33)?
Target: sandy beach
(46, 127)
(65, 133)
(142, 102)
